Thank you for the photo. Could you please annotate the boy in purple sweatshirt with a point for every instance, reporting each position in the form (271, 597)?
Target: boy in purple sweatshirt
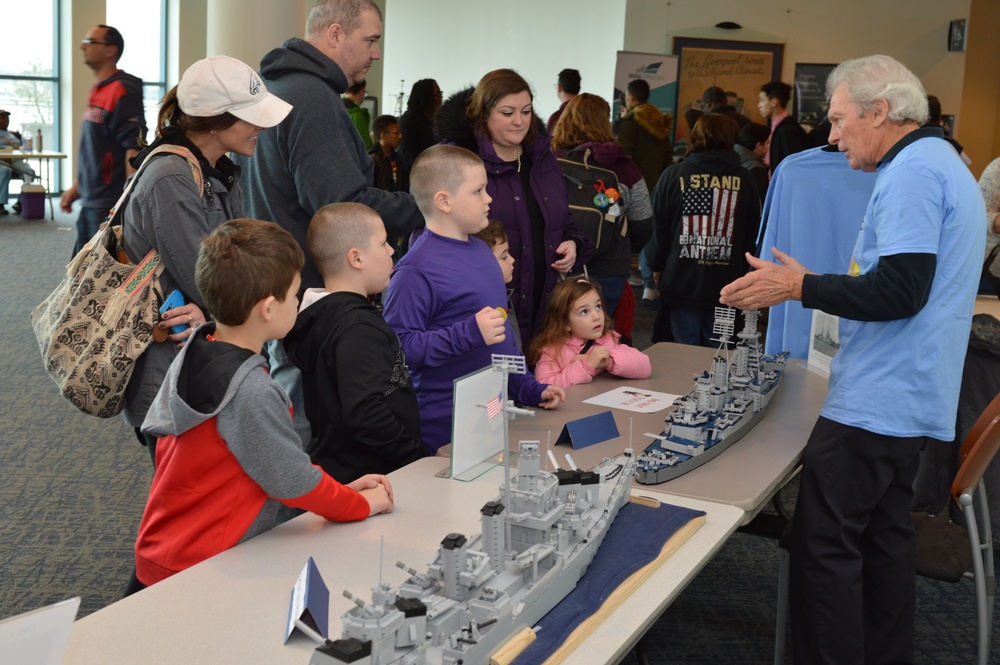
(446, 298)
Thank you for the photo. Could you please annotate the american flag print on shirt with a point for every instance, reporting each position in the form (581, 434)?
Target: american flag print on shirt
(708, 214)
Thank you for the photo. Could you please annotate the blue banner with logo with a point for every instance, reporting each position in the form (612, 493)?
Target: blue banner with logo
(659, 70)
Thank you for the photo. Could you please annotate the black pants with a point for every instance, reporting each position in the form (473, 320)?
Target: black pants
(853, 549)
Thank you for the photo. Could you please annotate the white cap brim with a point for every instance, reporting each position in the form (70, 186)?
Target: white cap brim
(267, 112)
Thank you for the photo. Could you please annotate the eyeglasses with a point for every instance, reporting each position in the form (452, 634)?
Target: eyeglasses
(88, 40)
(397, 133)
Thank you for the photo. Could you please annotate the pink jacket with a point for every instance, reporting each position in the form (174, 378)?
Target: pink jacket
(559, 366)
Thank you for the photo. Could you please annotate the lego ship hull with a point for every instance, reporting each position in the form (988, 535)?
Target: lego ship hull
(480, 592)
(729, 399)
(653, 474)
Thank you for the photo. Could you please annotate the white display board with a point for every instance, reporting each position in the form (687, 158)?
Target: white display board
(824, 341)
(477, 440)
(38, 637)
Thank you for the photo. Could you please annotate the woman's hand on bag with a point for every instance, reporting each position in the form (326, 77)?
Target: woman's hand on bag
(189, 314)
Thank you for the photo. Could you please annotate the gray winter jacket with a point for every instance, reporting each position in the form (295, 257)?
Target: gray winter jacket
(315, 155)
(165, 212)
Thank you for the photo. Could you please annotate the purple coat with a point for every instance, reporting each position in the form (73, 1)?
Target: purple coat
(509, 206)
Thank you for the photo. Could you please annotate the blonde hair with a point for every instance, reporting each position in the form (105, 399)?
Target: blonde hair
(337, 228)
(439, 168)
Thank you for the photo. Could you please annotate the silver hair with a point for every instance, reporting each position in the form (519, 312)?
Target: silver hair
(875, 77)
(345, 12)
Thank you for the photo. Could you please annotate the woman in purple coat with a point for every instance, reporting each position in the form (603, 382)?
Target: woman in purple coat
(496, 121)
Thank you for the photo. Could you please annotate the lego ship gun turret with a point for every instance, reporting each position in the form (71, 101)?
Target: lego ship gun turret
(416, 577)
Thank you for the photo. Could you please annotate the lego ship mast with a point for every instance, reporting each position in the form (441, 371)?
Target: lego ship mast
(508, 365)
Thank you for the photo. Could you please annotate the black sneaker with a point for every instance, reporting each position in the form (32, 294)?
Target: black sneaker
(17, 208)
(3, 209)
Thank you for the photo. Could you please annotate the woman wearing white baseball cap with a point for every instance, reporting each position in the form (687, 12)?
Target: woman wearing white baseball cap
(219, 106)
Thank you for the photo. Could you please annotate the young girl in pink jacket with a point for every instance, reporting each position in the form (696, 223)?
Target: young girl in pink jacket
(576, 343)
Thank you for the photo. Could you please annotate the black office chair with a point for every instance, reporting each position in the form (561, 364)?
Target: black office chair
(945, 550)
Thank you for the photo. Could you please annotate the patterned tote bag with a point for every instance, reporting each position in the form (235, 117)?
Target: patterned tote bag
(102, 316)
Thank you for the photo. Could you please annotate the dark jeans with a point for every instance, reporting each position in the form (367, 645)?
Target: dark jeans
(87, 224)
(661, 325)
(645, 256)
(692, 326)
(289, 377)
(853, 549)
(612, 289)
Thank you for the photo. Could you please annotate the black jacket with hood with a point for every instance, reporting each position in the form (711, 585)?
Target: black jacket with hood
(358, 394)
(706, 214)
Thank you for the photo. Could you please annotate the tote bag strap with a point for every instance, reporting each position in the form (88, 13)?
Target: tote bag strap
(178, 150)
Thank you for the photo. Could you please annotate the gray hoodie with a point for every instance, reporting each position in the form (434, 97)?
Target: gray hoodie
(214, 380)
(315, 155)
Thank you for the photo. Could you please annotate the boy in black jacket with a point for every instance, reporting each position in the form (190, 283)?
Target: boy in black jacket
(359, 398)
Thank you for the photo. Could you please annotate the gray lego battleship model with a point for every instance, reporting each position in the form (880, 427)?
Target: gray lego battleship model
(727, 401)
(538, 538)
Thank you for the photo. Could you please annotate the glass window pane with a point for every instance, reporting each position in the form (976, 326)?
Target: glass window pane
(27, 51)
(141, 25)
(30, 104)
(151, 96)
(31, 109)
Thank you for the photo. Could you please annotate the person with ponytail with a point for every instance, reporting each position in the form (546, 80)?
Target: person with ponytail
(219, 106)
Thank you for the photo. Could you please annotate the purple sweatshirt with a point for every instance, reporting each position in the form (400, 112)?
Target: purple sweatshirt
(435, 292)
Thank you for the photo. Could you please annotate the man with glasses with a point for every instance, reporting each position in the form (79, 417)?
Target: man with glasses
(390, 174)
(113, 131)
(905, 309)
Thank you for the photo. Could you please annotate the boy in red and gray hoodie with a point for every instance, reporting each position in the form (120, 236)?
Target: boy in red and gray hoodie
(227, 456)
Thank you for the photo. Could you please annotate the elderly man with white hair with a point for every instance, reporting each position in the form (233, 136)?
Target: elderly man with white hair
(906, 310)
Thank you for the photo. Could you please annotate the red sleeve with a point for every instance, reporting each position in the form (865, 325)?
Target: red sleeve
(330, 499)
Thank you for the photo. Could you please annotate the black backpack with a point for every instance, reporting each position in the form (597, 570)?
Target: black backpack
(599, 218)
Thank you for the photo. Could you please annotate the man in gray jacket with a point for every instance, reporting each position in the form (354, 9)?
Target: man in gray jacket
(317, 157)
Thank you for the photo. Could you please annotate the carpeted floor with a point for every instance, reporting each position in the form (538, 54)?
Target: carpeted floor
(72, 488)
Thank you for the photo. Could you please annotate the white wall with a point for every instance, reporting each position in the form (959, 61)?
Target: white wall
(455, 42)
(250, 40)
(77, 16)
(914, 32)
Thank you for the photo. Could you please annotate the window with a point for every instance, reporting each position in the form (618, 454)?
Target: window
(143, 24)
(29, 74)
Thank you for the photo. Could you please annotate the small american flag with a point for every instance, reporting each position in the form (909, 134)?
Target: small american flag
(708, 211)
(494, 406)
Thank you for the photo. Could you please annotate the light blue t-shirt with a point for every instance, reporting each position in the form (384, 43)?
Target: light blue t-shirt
(813, 211)
(902, 377)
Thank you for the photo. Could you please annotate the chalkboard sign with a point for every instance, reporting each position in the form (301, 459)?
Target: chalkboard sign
(810, 93)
